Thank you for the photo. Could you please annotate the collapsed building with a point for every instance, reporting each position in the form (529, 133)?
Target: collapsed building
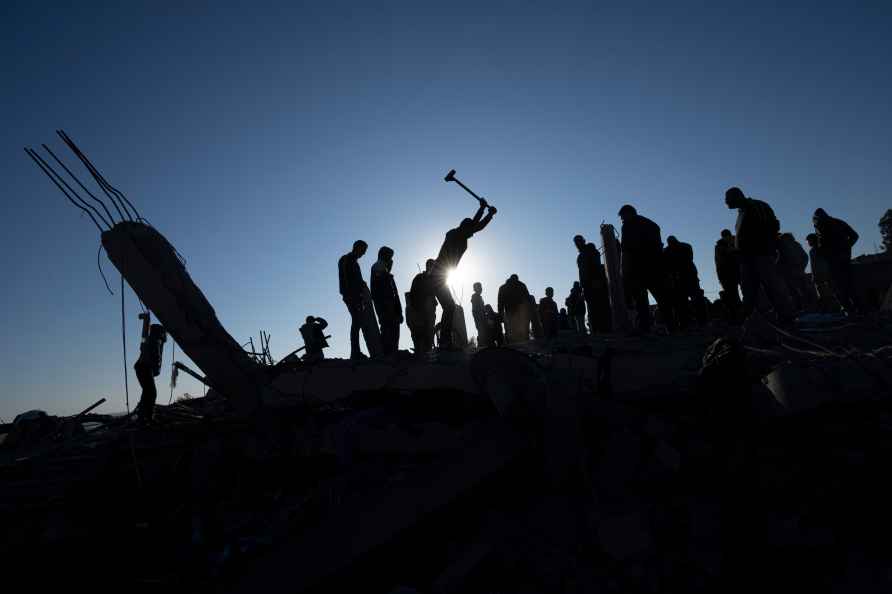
(711, 461)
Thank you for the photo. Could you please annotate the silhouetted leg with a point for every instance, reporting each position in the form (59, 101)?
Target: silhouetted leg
(749, 284)
(355, 309)
(770, 279)
(841, 279)
(591, 309)
(447, 304)
(146, 407)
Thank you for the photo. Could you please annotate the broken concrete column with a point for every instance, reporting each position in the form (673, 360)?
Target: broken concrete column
(619, 313)
(156, 274)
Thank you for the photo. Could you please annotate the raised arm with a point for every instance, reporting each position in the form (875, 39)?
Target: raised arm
(481, 224)
(480, 210)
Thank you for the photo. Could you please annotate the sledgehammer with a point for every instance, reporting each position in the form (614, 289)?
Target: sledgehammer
(450, 177)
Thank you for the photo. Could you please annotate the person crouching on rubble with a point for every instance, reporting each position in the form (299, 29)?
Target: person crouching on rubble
(314, 338)
(148, 366)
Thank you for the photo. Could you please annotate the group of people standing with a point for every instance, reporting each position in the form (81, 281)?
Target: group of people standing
(769, 267)
(757, 267)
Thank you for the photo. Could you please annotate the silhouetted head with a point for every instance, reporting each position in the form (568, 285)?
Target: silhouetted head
(466, 225)
(385, 253)
(812, 239)
(788, 237)
(579, 240)
(359, 248)
(726, 234)
(820, 215)
(549, 292)
(478, 288)
(671, 240)
(310, 319)
(429, 265)
(563, 311)
(576, 285)
(627, 211)
(513, 277)
(734, 197)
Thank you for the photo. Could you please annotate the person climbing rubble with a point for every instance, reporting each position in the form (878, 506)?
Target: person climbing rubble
(314, 338)
(148, 366)
(454, 247)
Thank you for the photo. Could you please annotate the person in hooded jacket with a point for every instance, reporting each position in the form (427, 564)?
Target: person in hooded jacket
(836, 239)
(387, 301)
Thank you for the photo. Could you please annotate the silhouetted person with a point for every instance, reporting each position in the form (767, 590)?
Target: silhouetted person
(756, 232)
(727, 268)
(593, 279)
(575, 303)
(564, 319)
(820, 274)
(548, 313)
(387, 301)
(313, 333)
(494, 334)
(454, 247)
(642, 266)
(536, 329)
(421, 309)
(684, 282)
(479, 313)
(836, 239)
(352, 287)
(148, 366)
(792, 262)
(514, 304)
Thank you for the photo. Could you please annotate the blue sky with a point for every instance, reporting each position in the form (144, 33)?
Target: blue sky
(263, 138)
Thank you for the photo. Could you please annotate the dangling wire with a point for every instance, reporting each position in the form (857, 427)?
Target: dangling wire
(83, 187)
(124, 342)
(173, 349)
(99, 264)
(36, 158)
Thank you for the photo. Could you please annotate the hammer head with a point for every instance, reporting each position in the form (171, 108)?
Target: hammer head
(450, 176)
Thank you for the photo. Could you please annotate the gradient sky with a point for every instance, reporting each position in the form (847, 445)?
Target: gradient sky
(262, 139)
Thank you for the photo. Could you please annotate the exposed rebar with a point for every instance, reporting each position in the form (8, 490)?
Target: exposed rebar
(36, 158)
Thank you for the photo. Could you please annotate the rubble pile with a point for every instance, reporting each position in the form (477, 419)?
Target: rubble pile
(639, 464)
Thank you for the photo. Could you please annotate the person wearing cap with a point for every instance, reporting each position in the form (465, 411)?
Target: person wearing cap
(642, 267)
(836, 239)
(757, 232)
(387, 301)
